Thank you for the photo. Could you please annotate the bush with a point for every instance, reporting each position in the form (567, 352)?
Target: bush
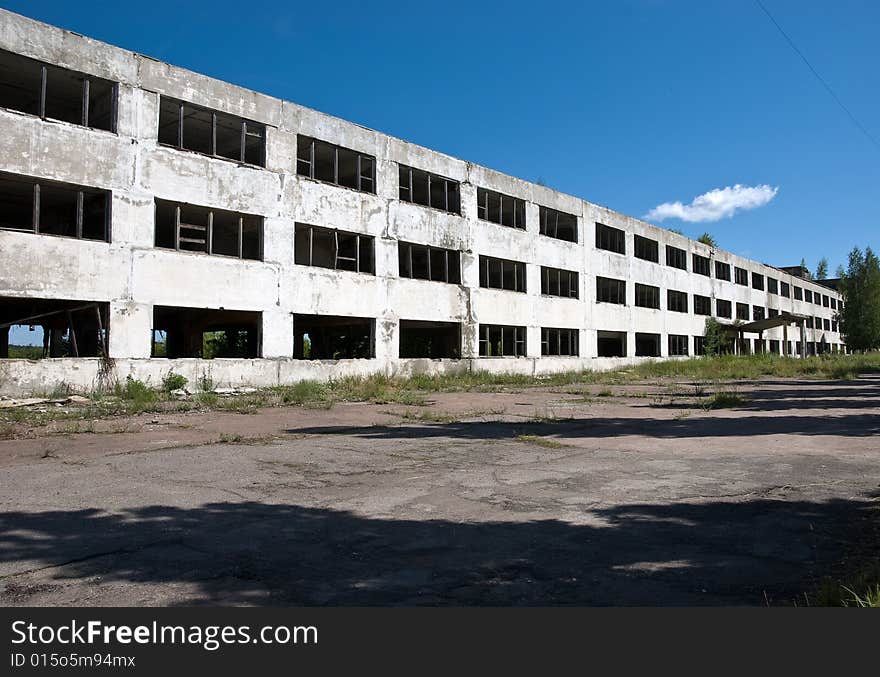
(137, 392)
(173, 381)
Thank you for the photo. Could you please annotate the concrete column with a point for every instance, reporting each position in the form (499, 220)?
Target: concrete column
(130, 329)
(277, 334)
(803, 339)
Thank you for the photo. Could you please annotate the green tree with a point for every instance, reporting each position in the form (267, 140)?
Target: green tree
(806, 270)
(706, 238)
(822, 269)
(716, 339)
(860, 317)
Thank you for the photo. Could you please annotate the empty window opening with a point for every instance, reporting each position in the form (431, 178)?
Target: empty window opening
(702, 265)
(757, 313)
(206, 230)
(646, 248)
(428, 263)
(327, 162)
(611, 343)
(502, 341)
(610, 291)
(55, 93)
(647, 296)
(772, 312)
(757, 281)
(561, 342)
(502, 274)
(502, 209)
(702, 305)
(559, 225)
(38, 328)
(335, 249)
(433, 340)
(676, 301)
(723, 308)
(610, 239)
(206, 333)
(647, 345)
(774, 346)
(676, 258)
(699, 345)
(52, 208)
(188, 127)
(785, 289)
(742, 311)
(331, 337)
(772, 285)
(678, 344)
(430, 190)
(722, 271)
(833, 303)
(826, 301)
(557, 282)
(798, 294)
(741, 276)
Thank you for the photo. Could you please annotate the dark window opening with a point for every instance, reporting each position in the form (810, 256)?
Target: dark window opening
(502, 274)
(808, 296)
(205, 230)
(774, 346)
(647, 296)
(741, 276)
(722, 271)
(502, 341)
(757, 313)
(331, 337)
(676, 301)
(742, 311)
(334, 249)
(798, 294)
(206, 333)
(826, 301)
(559, 342)
(772, 312)
(559, 225)
(428, 263)
(334, 164)
(188, 127)
(784, 289)
(34, 329)
(611, 343)
(610, 291)
(757, 281)
(430, 190)
(646, 249)
(678, 344)
(435, 340)
(702, 265)
(676, 258)
(610, 239)
(772, 285)
(699, 345)
(647, 345)
(723, 308)
(557, 282)
(702, 305)
(502, 209)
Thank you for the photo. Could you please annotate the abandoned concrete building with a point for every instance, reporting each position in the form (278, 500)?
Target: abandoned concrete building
(169, 221)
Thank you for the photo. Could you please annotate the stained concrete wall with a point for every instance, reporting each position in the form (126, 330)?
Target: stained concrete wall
(132, 275)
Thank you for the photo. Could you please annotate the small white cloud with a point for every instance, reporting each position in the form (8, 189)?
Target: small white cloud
(719, 203)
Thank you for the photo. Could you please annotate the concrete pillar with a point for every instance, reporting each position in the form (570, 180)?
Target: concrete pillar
(277, 334)
(803, 326)
(130, 329)
(4, 342)
(785, 339)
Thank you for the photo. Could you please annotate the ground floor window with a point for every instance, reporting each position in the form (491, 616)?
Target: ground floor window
(647, 345)
(206, 332)
(333, 337)
(559, 341)
(611, 343)
(502, 341)
(430, 339)
(36, 328)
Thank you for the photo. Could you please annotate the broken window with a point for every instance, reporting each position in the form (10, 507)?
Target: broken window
(808, 296)
(774, 346)
(55, 93)
(52, 208)
(610, 239)
(502, 274)
(826, 301)
(675, 257)
(722, 271)
(702, 305)
(701, 265)
(826, 324)
(833, 303)
(741, 276)
(610, 291)
(798, 294)
(558, 224)
(611, 343)
(646, 248)
(742, 311)
(430, 190)
(772, 285)
(423, 262)
(328, 162)
(186, 126)
(784, 289)
(335, 249)
(206, 230)
(772, 312)
(699, 345)
(502, 341)
(678, 344)
(757, 313)
(502, 209)
(757, 281)
(557, 282)
(647, 296)
(332, 337)
(33, 329)
(647, 345)
(676, 301)
(723, 308)
(433, 340)
(205, 332)
(561, 342)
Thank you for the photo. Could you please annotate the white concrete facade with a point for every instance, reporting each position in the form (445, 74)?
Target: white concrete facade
(132, 275)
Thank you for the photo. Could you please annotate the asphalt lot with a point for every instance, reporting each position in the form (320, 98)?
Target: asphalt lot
(536, 497)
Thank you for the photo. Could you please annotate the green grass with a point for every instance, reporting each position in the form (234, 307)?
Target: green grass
(724, 400)
(862, 591)
(540, 441)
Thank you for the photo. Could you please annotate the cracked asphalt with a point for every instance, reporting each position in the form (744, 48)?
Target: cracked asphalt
(565, 496)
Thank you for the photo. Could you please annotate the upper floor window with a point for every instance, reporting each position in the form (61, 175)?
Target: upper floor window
(702, 305)
(207, 230)
(723, 308)
(742, 311)
(331, 248)
(826, 301)
(502, 274)
(52, 208)
(675, 257)
(430, 190)
(645, 248)
(757, 313)
(772, 285)
(558, 224)
(784, 289)
(808, 296)
(722, 271)
(702, 265)
(741, 276)
(610, 239)
(610, 291)
(757, 281)
(189, 127)
(429, 263)
(647, 296)
(55, 93)
(798, 294)
(557, 282)
(502, 209)
(334, 164)
(833, 303)
(676, 301)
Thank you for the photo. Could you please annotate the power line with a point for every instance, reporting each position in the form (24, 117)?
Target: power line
(819, 77)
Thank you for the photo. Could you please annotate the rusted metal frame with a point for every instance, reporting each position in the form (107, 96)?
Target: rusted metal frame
(101, 331)
(357, 253)
(114, 106)
(213, 133)
(241, 237)
(36, 211)
(177, 227)
(412, 272)
(209, 235)
(336, 165)
(358, 183)
(311, 243)
(446, 265)
(79, 213)
(44, 75)
(72, 334)
(335, 250)
(180, 114)
(242, 141)
(85, 102)
(27, 320)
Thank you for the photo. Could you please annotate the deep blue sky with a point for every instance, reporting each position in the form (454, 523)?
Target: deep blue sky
(627, 104)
